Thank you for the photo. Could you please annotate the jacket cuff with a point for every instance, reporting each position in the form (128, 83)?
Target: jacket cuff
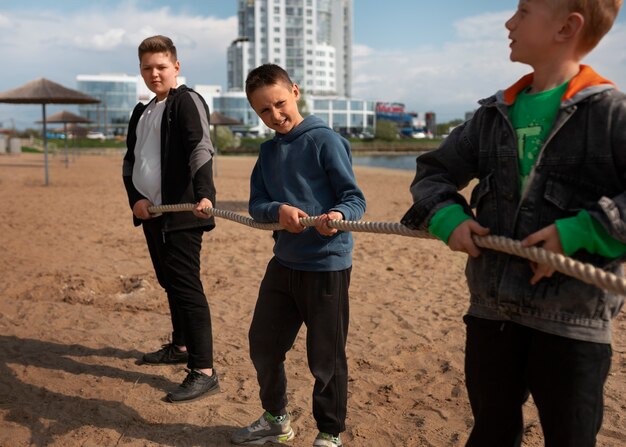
(445, 221)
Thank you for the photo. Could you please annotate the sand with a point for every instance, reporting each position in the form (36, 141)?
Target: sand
(80, 304)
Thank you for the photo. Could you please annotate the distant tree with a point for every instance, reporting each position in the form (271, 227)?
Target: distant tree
(444, 128)
(303, 106)
(226, 139)
(386, 130)
(27, 133)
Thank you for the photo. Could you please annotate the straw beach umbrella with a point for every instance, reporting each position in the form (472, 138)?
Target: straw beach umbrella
(43, 91)
(66, 117)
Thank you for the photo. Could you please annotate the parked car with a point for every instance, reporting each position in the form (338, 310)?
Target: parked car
(93, 135)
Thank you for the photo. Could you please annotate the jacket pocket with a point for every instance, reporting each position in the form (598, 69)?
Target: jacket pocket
(565, 196)
(569, 194)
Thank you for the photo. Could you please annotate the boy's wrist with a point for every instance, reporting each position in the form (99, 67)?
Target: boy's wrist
(445, 221)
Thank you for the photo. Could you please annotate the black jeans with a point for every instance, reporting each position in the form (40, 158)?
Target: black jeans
(288, 298)
(176, 259)
(505, 362)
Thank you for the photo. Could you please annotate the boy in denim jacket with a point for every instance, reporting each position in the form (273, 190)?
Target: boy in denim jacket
(550, 156)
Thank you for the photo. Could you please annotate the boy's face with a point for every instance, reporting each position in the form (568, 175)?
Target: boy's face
(532, 31)
(277, 106)
(159, 73)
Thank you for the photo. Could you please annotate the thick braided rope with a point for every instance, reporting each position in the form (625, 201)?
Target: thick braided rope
(571, 267)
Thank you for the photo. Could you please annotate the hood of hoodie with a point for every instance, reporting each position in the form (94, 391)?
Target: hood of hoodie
(586, 82)
(308, 123)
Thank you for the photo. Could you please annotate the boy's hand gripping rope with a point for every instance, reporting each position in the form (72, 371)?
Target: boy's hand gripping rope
(571, 267)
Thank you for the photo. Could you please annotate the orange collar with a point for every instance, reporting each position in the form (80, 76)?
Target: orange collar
(586, 77)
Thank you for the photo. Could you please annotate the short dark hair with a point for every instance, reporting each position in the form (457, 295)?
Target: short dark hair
(264, 75)
(157, 44)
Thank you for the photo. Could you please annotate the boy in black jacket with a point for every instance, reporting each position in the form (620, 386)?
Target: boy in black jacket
(170, 160)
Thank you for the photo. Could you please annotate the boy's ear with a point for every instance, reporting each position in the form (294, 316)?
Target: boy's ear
(572, 26)
(296, 91)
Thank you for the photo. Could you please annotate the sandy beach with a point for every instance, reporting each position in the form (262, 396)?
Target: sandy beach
(79, 304)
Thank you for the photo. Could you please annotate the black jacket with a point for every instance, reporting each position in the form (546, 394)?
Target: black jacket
(186, 158)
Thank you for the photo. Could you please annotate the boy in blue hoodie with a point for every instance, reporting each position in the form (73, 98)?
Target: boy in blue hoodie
(306, 169)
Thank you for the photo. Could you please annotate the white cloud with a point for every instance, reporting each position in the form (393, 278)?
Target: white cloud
(449, 79)
(61, 46)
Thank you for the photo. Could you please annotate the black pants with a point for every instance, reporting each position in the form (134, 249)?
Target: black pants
(176, 259)
(505, 362)
(288, 298)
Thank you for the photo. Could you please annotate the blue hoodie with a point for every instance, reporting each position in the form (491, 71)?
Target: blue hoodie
(309, 168)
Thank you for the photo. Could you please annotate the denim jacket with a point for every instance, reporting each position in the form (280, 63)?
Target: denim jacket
(582, 165)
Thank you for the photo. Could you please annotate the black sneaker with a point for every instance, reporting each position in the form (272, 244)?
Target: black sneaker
(167, 355)
(196, 385)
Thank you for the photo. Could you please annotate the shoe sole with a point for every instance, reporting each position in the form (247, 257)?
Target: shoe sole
(281, 439)
(201, 396)
(143, 362)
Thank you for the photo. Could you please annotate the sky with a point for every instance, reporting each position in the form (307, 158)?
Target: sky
(440, 56)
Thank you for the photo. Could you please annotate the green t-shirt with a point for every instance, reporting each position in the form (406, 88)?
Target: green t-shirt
(532, 116)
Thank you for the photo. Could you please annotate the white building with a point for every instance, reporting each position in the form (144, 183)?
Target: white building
(311, 39)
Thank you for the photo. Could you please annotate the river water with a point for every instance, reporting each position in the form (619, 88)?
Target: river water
(401, 161)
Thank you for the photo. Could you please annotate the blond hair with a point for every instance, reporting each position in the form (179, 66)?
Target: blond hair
(599, 17)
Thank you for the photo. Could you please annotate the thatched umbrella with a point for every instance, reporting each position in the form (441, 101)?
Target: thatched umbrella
(219, 119)
(42, 91)
(66, 117)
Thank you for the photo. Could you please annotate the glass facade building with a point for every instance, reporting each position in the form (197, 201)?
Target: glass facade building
(118, 96)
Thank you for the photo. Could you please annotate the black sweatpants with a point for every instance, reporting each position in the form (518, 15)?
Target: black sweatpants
(176, 259)
(505, 362)
(288, 298)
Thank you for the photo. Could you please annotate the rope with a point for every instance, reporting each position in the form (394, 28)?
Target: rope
(583, 271)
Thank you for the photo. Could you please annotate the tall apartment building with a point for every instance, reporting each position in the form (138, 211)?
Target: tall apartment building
(311, 39)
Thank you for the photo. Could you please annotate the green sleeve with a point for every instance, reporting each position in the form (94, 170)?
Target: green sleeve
(583, 232)
(443, 223)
